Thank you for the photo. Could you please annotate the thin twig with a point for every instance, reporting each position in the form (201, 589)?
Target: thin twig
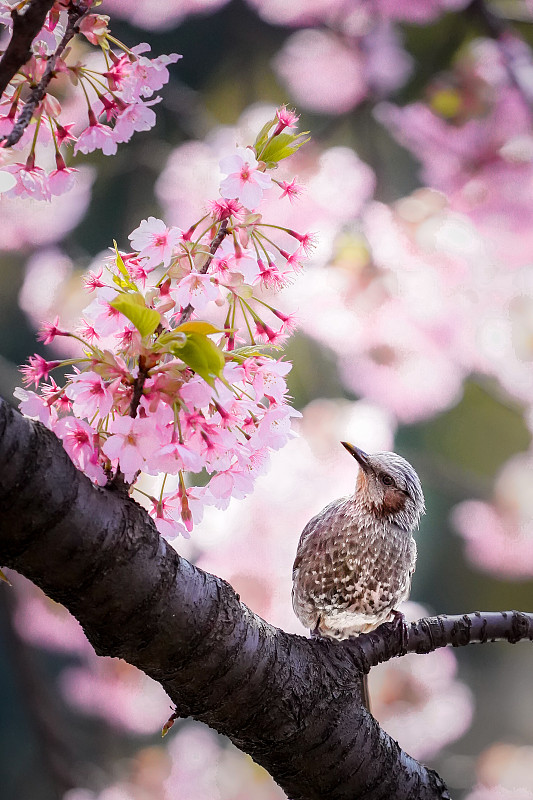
(138, 386)
(215, 244)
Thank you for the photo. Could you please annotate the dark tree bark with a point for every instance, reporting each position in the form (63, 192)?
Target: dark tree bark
(292, 703)
(74, 15)
(26, 26)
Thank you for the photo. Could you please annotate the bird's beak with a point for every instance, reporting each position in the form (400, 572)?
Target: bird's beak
(359, 455)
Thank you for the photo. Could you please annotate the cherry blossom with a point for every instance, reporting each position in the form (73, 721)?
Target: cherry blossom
(33, 405)
(78, 440)
(245, 181)
(322, 73)
(131, 441)
(162, 394)
(136, 117)
(196, 289)
(155, 241)
(96, 137)
(119, 91)
(499, 535)
(89, 394)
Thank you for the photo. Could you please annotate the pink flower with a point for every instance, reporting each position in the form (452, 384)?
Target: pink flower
(196, 289)
(31, 181)
(268, 334)
(147, 75)
(269, 378)
(90, 396)
(96, 137)
(93, 280)
(245, 180)
(33, 405)
(236, 481)
(62, 179)
(323, 72)
(225, 208)
(131, 442)
(196, 393)
(37, 369)
(63, 133)
(286, 119)
(229, 260)
(499, 535)
(291, 190)
(166, 514)
(274, 430)
(49, 331)
(155, 241)
(418, 11)
(105, 319)
(118, 72)
(78, 440)
(94, 28)
(135, 117)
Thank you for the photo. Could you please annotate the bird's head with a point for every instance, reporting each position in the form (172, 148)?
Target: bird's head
(389, 487)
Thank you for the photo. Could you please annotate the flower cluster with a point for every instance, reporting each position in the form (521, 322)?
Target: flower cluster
(163, 391)
(118, 86)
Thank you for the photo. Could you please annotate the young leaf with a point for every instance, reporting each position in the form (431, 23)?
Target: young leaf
(240, 354)
(198, 326)
(202, 355)
(262, 136)
(135, 309)
(283, 146)
(122, 268)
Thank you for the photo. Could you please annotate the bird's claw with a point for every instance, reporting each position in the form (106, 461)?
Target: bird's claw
(398, 621)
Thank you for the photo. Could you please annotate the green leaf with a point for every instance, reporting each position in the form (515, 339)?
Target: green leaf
(262, 136)
(122, 268)
(240, 354)
(135, 309)
(198, 326)
(283, 146)
(202, 355)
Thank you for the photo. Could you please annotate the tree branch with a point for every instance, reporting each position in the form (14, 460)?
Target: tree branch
(215, 244)
(293, 704)
(26, 26)
(75, 13)
(428, 634)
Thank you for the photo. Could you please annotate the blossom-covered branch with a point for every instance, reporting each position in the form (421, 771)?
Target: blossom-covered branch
(180, 376)
(75, 13)
(117, 83)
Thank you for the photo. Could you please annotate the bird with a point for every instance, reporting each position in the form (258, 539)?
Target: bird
(355, 559)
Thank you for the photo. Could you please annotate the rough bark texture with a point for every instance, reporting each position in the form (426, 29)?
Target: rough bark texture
(292, 703)
(26, 26)
(75, 14)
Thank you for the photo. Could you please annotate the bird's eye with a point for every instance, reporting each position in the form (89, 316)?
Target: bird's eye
(387, 480)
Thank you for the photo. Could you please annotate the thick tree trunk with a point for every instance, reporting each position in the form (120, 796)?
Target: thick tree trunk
(292, 703)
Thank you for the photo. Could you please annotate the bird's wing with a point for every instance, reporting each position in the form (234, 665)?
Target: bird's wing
(316, 530)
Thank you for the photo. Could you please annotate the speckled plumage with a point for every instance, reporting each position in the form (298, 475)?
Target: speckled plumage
(355, 559)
